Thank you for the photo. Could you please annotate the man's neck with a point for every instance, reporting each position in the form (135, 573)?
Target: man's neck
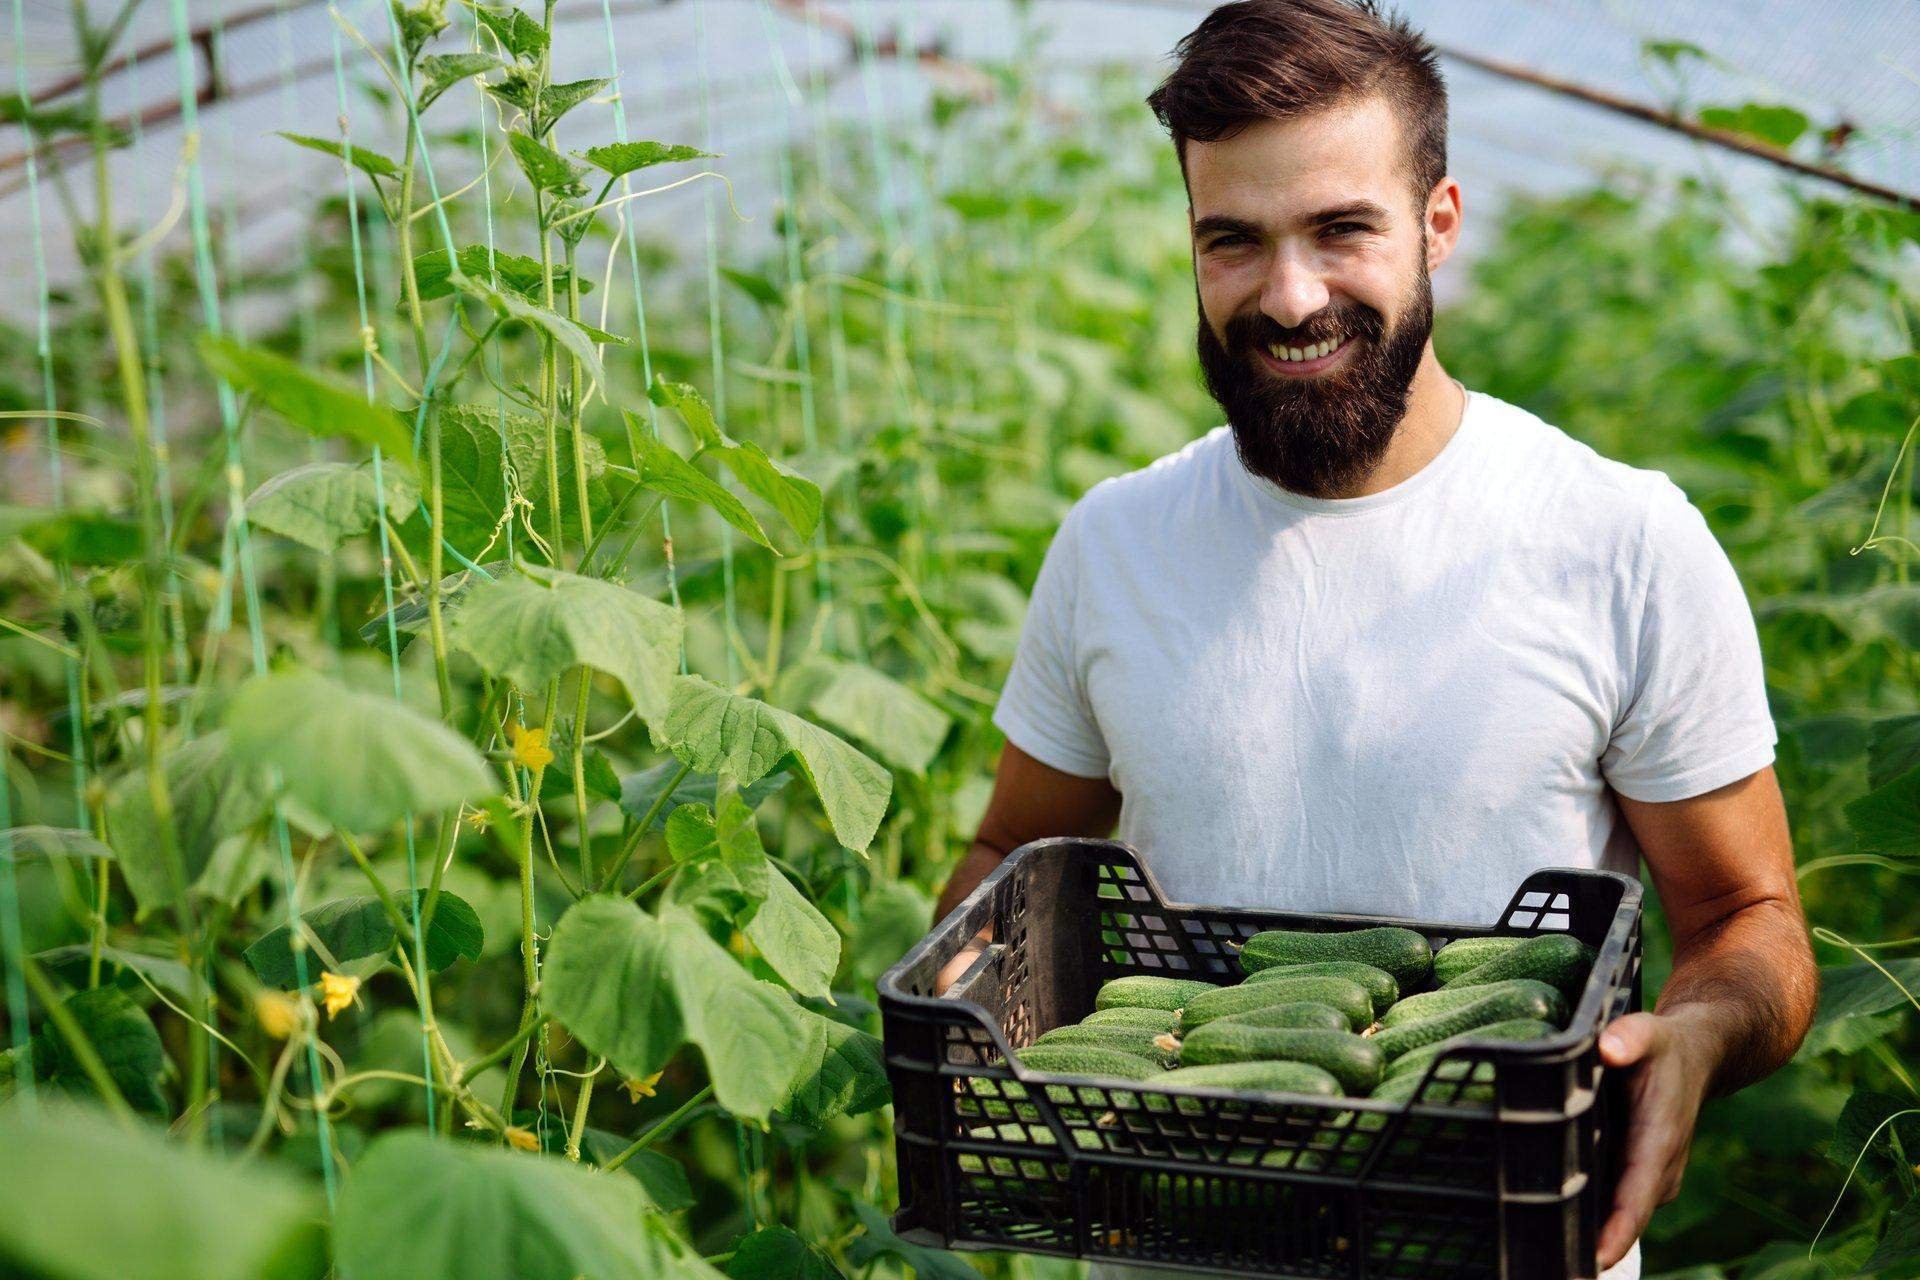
(1435, 403)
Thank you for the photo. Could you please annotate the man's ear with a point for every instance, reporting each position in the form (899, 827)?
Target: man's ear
(1443, 219)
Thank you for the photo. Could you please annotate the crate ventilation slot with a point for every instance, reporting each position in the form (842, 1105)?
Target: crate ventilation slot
(1529, 915)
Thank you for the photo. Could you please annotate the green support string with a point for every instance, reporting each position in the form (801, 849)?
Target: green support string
(715, 341)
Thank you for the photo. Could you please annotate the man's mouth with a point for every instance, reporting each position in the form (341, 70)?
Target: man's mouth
(1300, 362)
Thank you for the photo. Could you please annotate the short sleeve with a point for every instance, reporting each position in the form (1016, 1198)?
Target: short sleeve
(1695, 711)
(1043, 707)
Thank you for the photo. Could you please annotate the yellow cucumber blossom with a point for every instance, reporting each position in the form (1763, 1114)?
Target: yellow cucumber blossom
(277, 1013)
(478, 820)
(522, 1139)
(337, 991)
(530, 748)
(638, 1089)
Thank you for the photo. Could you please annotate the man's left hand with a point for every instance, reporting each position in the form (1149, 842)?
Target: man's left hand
(1671, 1058)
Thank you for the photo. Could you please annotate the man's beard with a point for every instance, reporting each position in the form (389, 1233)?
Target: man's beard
(1319, 437)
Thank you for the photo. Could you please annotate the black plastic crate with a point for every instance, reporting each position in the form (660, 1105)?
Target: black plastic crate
(994, 1156)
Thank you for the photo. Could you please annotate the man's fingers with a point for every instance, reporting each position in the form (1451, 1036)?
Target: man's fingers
(1627, 1040)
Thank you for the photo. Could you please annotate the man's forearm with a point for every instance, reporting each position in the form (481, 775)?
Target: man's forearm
(1750, 983)
(979, 863)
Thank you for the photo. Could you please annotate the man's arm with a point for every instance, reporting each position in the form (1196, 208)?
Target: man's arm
(1030, 800)
(1742, 991)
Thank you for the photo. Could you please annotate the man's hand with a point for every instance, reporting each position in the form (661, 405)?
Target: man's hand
(1672, 1058)
(950, 971)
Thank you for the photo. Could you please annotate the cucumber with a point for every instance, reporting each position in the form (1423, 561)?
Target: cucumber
(1157, 1047)
(1085, 1060)
(1145, 991)
(1462, 954)
(1379, 984)
(1269, 1077)
(1513, 1029)
(1155, 1020)
(1430, 1004)
(1350, 998)
(1354, 1061)
(1401, 952)
(1552, 958)
(1304, 1013)
(1500, 1006)
(1402, 1088)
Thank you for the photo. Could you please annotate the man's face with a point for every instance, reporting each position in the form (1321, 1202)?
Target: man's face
(1307, 238)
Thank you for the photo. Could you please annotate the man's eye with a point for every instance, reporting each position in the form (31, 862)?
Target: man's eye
(1345, 228)
(1229, 241)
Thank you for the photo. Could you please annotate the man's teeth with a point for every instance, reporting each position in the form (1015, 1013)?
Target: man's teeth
(1303, 353)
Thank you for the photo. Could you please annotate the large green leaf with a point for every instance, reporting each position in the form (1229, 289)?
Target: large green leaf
(523, 275)
(521, 35)
(358, 760)
(1894, 748)
(440, 72)
(545, 168)
(558, 99)
(1887, 820)
(537, 624)
(795, 497)
(573, 338)
(904, 729)
(894, 916)
(1879, 1130)
(477, 446)
(317, 407)
(620, 158)
(880, 1241)
(633, 987)
(850, 1077)
(420, 1207)
(125, 1039)
(371, 163)
(96, 1201)
(353, 928)
(729, 847)
(76, 537)
(1861, 990)
(717, 731)
(793, 937)
(662, 470)
(639, 791)
(777, 1253)
(659, 1174)
(322, 504)
(1900, 1244)
(214, 794)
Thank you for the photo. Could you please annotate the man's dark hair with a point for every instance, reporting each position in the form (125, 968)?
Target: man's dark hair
(1274, 59)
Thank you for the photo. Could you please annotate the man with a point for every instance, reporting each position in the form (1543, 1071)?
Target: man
(1381, 644)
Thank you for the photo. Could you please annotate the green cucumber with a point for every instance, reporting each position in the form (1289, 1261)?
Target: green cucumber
(1430, 1004)
(1085, 1060)
(1268, 1077)
(1380, 984)
(1146, 991)
(1157, 1047)
(1155, 1020)
(1499, 1006)
(1402, 1089)
(1401, 952)
(1352, 1060)
(1462, 954)
(1350, 998)
(1514, 1029)
(1302, 1013)
(1553, 958)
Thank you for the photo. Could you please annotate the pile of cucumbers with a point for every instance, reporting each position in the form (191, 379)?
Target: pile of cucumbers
(1360, 1014)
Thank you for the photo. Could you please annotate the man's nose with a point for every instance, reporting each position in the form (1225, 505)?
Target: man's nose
(1293, 290)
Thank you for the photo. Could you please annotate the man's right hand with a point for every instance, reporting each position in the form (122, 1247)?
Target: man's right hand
(950, 971)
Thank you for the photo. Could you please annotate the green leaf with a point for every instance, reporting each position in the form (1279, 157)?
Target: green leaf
(474, 454)
(717, 731)
(442, 71)
(521, 274)
(108, 1203)
(322, 504)
(410, 616)
(558, 99)
(1884, 1127)
(521, 35)
(50, 842)
(659, 1174)
(1894, 748)
(894, 916)
(633, 987)
(563, 331)
(214, 794)
(777, 1253)
(70, 964)
(360, 761)
(371, 163)
(638, 791)
(545, 168)
(1776, 126)
(420, 1206)
(795, 497)
(1887, 820)
(1860, 990)
(1901, 1242)
(849, 1079)
(125, 1039)
(601, 780)
(75, 537)
(792, 936)
(621, 158)
(757, 287)
(319, 408)
(349, 929)
(661, 470)
(537, 624)
(904, 729)
(880, 1241)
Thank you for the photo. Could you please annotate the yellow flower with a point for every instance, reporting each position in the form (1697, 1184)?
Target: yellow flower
(522, 1139)
(530, 747)
(638, 1089)
(277, 1012)
(337, 991)
(478, 820)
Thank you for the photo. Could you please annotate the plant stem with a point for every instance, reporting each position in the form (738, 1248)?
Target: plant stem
(641, 828)
(665, 1127)
(579, 1126)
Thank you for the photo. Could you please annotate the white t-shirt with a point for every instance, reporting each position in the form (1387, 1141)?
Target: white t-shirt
(1399, 704)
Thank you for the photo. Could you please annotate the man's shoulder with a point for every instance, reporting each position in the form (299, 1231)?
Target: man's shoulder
(1533, 463)
(1190, 476)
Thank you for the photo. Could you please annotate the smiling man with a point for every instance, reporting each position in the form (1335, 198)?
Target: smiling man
(1380, 643)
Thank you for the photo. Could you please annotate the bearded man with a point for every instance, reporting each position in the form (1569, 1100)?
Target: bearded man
(1382, 644)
